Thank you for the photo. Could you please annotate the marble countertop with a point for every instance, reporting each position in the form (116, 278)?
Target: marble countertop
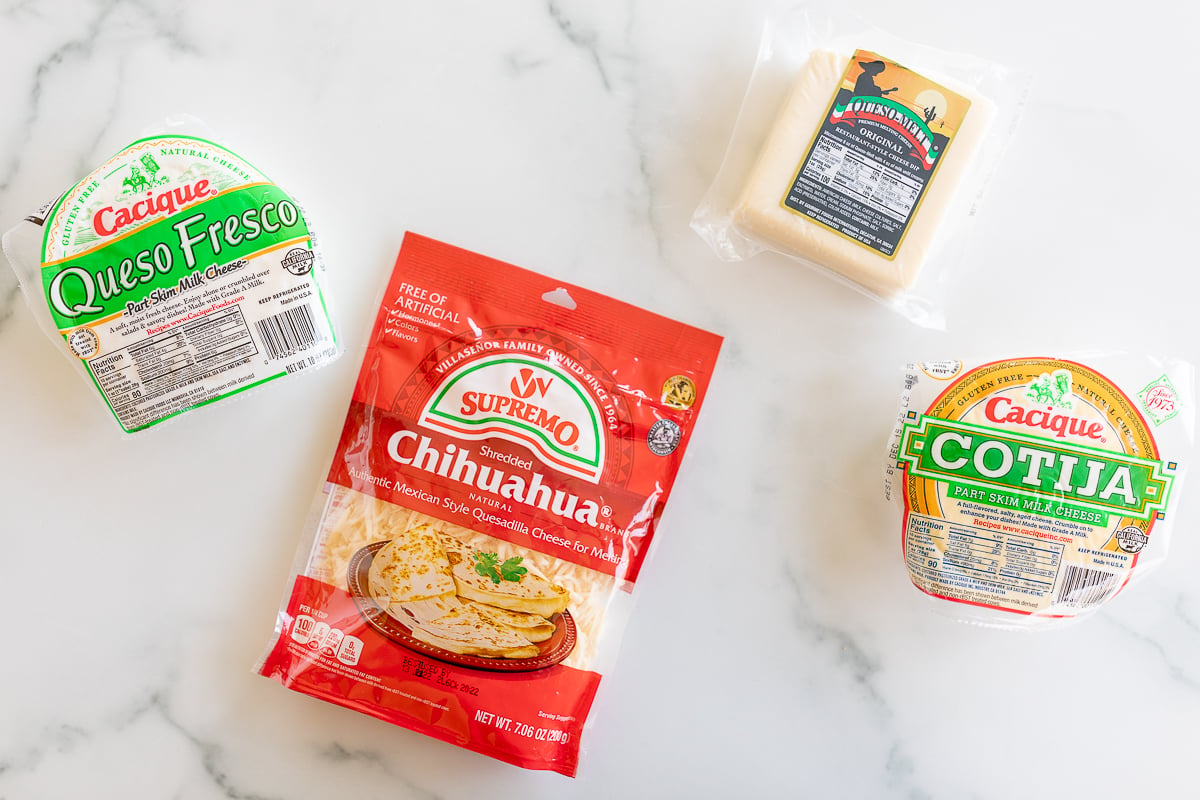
(141, 576)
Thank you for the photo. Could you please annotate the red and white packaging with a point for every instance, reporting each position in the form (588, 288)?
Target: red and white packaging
(506, 458)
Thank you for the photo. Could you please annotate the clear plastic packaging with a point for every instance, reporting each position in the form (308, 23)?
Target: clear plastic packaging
(862, 155)
(1033, 490)
(173, 275)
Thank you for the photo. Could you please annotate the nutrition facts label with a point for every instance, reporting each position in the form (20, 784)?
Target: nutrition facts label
(863, 179)
(156, 369)
(1001, 560)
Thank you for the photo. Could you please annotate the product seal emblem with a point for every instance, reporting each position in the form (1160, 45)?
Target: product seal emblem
(1160, 400)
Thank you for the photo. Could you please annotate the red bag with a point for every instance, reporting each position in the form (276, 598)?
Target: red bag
(505, 460)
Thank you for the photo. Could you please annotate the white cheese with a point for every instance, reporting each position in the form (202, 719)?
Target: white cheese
(760, 214)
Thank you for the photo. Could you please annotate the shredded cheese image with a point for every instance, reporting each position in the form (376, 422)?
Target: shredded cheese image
(355, 520)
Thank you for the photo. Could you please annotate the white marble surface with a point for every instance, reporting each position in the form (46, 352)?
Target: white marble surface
(141, 577)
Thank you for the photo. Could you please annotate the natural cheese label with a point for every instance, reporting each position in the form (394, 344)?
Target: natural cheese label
(875, 152)
(181, 274)
(1030, 485)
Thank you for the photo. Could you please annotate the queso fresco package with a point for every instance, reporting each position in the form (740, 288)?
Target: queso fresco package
(173, 275)
(508, 451)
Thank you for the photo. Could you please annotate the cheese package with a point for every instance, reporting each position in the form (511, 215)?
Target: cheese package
(1032, 490)
(173, 275)
(853, 162)
(874, 185)
(506, 457)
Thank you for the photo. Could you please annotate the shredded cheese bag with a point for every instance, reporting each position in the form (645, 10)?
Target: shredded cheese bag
(1032, 490)
(506, 457)
(173, 275)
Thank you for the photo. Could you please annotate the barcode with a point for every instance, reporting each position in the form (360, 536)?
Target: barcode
(289, 331)
(1082, 587)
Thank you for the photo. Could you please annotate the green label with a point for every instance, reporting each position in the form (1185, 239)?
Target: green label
(1028, 504)
(164, 258)
(1047, 473)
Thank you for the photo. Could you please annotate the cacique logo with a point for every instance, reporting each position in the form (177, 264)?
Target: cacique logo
(1002, 409)
(526, 402)
(111, 219)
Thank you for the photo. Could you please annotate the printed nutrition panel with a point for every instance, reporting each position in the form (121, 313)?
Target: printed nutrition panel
(172, 360)
(865, 180)
(1015, 563)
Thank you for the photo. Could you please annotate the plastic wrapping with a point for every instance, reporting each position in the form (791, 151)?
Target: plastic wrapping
(173, 275)
(508, 451)
(861, 155)
(1033, 490)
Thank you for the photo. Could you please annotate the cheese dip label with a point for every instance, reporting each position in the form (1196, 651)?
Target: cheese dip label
(180, 274)
(1029, 486)
(875, 152)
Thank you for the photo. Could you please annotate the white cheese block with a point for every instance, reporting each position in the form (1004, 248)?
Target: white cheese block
(759, 213)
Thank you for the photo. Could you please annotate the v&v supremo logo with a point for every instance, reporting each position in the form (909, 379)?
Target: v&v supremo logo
(526, 402)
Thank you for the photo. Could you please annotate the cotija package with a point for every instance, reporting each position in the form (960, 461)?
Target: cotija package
(1034, 489)
(508, 451)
